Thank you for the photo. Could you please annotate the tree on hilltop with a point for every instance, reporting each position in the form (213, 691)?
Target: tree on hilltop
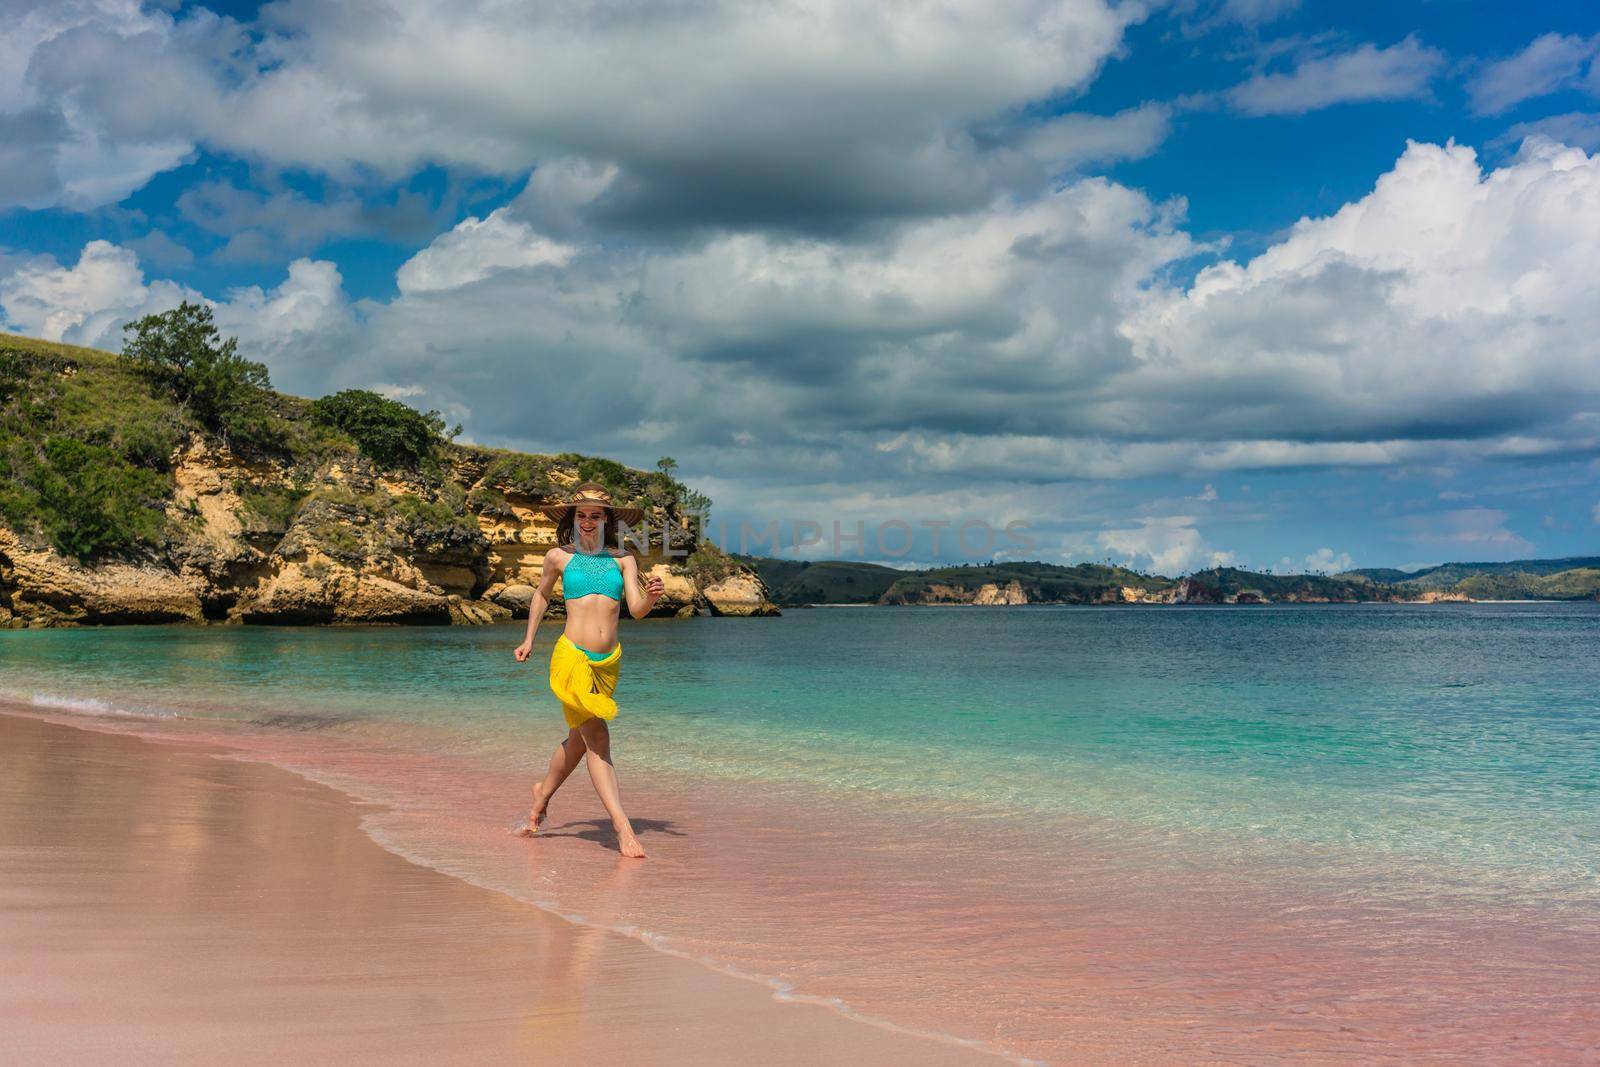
(388, 432)
(183, 352)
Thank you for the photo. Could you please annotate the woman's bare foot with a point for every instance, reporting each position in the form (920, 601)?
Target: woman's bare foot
(629, 845)
(537, 816)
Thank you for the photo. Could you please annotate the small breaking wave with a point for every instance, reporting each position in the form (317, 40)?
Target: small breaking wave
(95, 707)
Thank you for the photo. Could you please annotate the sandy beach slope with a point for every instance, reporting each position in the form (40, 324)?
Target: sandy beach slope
(161, 905)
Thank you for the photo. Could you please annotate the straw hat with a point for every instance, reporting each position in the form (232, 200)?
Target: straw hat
(595, 494)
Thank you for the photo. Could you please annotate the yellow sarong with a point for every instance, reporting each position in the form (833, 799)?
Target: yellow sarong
(584, 686)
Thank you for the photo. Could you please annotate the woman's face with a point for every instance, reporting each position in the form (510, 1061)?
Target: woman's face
(588, 518)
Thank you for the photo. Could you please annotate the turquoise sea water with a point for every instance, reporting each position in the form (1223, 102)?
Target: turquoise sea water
(1457, 734)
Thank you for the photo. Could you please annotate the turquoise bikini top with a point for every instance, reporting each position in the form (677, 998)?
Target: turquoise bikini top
(591, 572)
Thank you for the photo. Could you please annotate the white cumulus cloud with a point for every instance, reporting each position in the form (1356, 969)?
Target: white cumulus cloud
(476, 248)
(1328, 561)
(1168, 544)
(1448, 303)
(88, 302)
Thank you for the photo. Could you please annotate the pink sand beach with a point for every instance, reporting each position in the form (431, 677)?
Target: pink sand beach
(176, 897)
(160, 905)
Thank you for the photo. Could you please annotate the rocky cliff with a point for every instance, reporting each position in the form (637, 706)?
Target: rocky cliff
(316, 533)
(356, 545)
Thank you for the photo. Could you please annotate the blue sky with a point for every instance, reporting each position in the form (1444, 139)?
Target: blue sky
(1290, 285)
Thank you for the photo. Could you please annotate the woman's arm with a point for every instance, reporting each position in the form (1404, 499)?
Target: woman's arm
(640, 601)
(548, 573)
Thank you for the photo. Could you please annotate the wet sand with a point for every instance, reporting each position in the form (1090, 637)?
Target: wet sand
(162, 905)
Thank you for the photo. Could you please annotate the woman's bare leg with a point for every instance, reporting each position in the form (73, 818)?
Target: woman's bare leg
(597, 737)
(563, 762)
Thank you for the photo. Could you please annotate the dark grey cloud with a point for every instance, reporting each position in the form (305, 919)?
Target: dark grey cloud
(267, 226)
(713, 114)
(28, 144)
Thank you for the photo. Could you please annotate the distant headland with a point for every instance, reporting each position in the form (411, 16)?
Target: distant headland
(792, 583)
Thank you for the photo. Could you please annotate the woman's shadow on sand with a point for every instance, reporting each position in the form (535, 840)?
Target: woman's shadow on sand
(599, 831)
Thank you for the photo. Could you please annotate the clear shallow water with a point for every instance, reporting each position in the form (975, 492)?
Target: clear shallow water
(1038, 824)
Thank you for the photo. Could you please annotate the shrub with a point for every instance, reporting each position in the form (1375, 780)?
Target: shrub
(18, 502)
(609, 473)
(272, 506)
(146, 442)
(339, 541)
(528, 475)
(93, 503)
(12, 375)
(426, 513)
(707, 565)
(492, 502)
(334, 493)
(389, 433)
(454, 497)
(82, 462)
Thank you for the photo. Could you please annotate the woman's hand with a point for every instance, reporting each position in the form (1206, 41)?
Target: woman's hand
(655, 587)
(523, 651)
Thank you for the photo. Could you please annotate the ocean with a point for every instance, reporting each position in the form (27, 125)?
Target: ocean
(1074, 834)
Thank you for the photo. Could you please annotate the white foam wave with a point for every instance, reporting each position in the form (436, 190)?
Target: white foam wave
(94, 706)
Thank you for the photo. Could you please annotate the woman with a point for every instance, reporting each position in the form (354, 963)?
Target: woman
(586, 658)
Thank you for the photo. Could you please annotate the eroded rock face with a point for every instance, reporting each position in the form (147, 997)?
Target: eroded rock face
(39, 587)
(261, 543)
(1011, 593)
(1189, 591)
(741, 595)
(516, 599)
(932, 593)
(939, 593)
(1445, 596)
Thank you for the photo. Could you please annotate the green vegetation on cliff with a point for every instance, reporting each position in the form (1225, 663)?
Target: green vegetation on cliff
(388, 432)
(85, 448)
(89, 440)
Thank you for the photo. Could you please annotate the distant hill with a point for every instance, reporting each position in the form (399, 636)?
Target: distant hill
(1517, 579)
(792, 582)
(827, 582)
(1014, 583)
(1379, 574)
(1234, 584)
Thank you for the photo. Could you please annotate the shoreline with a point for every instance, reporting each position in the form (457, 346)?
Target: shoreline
(360, 624)
(167, 900)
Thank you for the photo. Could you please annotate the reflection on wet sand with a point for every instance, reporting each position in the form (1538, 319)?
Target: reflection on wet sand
(161, 905)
